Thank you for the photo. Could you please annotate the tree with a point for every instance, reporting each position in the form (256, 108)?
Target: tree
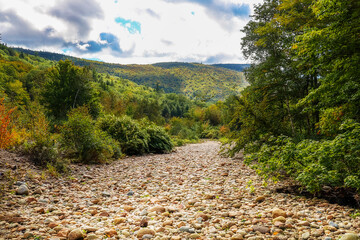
(69, 87)
(300, 115)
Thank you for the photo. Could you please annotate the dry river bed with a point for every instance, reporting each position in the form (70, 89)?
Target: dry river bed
(192, 193)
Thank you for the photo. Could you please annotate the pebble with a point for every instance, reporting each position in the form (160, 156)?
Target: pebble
(22, 190)
(106, 194)
(145, 231)
(187, 229)
(350, 236)
(278, 212)
(147, 236)
(305, 235)
(194, 236)
(260, 199)
(157, 209)
(182, 195)
(75, 234)
(331, 223)
(119, 220)
(261, 229)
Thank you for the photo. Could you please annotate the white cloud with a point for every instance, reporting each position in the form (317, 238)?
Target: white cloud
(170, 31)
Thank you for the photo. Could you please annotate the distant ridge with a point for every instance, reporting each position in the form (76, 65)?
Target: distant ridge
(232, 66)
(195, 80)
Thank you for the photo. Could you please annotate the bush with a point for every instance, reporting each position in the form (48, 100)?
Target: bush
(136, 137)
(312, 163)
(38, 144)
(183, 128)
(6, 128)
(85, 141)
(159, 141)
(132, 137)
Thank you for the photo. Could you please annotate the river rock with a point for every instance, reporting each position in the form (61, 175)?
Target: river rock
(145, 231)
(76, 234)
(350, 236)
(158, 209)
(278, 212)
(22, 190)
(261, 229)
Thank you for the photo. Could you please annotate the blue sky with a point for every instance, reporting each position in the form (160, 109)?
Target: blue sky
(129, 31)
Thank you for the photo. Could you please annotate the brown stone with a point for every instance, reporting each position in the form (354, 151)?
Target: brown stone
(144, 231)
(119, 220)
(237, 237)
(158, 209)
(261, 229)
(30, 200)
(260, 199)
(76, 234)
(144, 222)
(279, 219)
(278, 212)
(104, 214)
(128, 208)
(111, 233)
(204, 216)
(53, 224)
(63, 232)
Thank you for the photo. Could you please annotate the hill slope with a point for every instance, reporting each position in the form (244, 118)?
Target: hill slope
(197, 81)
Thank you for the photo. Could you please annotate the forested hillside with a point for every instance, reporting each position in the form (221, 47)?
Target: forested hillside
(197, 81)
(300, 117)
(55, 112)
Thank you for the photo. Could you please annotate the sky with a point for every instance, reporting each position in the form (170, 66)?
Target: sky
(129, 31)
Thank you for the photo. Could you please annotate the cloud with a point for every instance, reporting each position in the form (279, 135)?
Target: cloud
(166, 42)
(219, 58)
(223, 13)
(107, 41)
(152, 13)
(17, 31)
(217, 8)
(78, 14)
(132, 26)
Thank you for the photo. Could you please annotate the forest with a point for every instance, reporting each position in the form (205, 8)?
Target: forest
(56, 113)
(197, 81)
(298, 118)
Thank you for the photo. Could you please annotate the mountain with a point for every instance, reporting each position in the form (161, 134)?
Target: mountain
(232, 66)
(195, 80)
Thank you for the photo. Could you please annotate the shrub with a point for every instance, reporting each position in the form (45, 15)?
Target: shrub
(132, 137)
(159, 140)
(136, 137)
(38, 144)
(211, 133)
(183, 128)
(85, 141)
(312, 163)
(6, 128)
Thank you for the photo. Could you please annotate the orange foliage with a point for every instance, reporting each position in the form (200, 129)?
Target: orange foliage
(6, 133)
(224, 129)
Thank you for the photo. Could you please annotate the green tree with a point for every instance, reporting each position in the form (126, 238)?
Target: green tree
(69, 87)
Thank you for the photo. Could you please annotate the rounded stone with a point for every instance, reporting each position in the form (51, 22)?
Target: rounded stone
(145, 231)
(22, 190)
(350, 236)
(76, 234)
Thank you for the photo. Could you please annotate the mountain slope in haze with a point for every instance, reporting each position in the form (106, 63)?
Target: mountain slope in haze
(197, 81)
(232, 66)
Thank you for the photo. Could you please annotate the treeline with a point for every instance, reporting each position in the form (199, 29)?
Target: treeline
(299, 117)
(197, 81)
(56, 112)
